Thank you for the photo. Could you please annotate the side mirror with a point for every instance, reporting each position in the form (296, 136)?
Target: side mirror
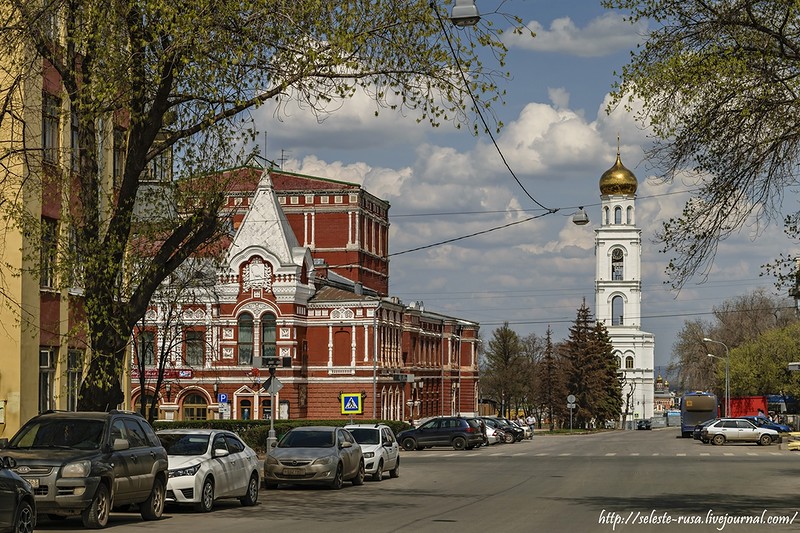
(345, 444)
(8, 462)
(121, 444)
(3, 442)
(219, 452)
(273, 444)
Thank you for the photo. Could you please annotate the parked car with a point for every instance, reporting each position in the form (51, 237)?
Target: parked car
(500, 429)
(737, 430)
(513, 432)
(315, 455)
(379, 447)
(494, 435)
(460, 432)
(762, 422)
(82, 463)
(644, 423)
(17, 502)
(698, 428)
(206, 465)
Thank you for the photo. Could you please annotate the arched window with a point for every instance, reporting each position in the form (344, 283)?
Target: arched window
(617, 271)
(147, 400)
(267, 338)
(245, 344)
(629, 362)
(617, 310)
(618, 215)
(629, 215)
(266, 408)
(195, 407)
(605, 216)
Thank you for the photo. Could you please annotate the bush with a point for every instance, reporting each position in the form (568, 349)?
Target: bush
(255, 432)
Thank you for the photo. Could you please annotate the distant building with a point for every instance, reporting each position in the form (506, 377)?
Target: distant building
(618, 288)
(305, 282)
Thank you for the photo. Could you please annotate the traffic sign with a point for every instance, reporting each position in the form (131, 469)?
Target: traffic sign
(351, 404)
(571, 398)
(222, 397)
(273, 385)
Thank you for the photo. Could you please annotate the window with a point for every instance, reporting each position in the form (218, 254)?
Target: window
(234, 444)
(617, 273)
(76, 260)
(47, 264)
(617, 311)
(147, 400)
(629, 215)
(51, 107)
(145, 348)
(119, 156)
(268, 336)
(195, 344)
(136, 436)
(629, 362)
(605, 215)
(195, 408)
(74, 378)
(266, 408)
(246, 407)
(245, 343)
(160, 167)
(47, 374)
(617, 215)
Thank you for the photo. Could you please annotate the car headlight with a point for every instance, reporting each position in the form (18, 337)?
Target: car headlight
(271, 460)
(369, 455)
(188, 471)
(324, 460)
(77, 469)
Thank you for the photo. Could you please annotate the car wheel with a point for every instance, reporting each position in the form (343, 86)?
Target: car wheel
(338, 480)
(395, 472)
(508, 438)
(718, 440)
(251, 498)
(459, 443)
(409, 444)
(378, 475)
(153, 506)
(206, 502)
(359, 479)
(765, 440)
(96, 515)
(26, 518)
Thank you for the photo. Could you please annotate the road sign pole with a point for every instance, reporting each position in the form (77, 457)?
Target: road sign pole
(271, 436)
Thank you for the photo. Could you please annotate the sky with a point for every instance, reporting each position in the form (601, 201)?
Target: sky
(444, 183)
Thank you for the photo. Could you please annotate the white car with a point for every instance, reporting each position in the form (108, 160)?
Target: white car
(208, 464)
(380, 448)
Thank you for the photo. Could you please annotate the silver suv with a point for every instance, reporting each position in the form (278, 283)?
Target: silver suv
(85, 463)
(737, 430)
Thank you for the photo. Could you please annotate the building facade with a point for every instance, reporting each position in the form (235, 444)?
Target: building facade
(303, 285)
(618, 289)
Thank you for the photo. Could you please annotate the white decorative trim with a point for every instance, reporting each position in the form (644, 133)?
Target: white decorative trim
(286, 352)
(227, 333)
(285, 333)
(227, 353)
(342, 313)
(257, 275)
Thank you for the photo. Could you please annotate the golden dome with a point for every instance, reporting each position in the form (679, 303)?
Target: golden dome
(618, 180)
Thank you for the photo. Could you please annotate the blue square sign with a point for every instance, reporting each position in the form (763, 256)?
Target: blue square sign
(351, 404)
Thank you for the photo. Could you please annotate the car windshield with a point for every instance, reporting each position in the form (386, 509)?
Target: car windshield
(182, 444)
(60, 433)
(366, 435)
(307, 439)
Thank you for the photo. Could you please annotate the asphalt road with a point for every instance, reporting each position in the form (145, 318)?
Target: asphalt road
(629, 481)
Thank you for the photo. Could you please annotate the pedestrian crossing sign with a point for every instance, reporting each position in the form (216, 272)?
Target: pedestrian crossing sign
(351, 404)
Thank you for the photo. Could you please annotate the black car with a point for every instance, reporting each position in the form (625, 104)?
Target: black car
(697, 434)
(83, 463)
(460, 432)
(17, 504)
(513, 433)
(644, 423)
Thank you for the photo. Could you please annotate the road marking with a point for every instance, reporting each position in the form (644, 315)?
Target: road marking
(518, 454)
(633, 454)
(680, 455)
(751, 453)
(541, 454)
(728, 453)
(705, 454)
(564, 454)
(496, 454)
(656, 454)
(610, 454)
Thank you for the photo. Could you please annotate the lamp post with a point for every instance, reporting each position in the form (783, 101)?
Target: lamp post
(727, 373)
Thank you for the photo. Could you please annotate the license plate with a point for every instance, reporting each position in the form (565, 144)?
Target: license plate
(33, 481)
(293, 471)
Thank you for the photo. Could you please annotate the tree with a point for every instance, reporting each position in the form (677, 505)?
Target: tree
(719, 88)
(550, 375)
(501, 371)
(695, 370)
(591, 370)
(760, 367)
(171, 84)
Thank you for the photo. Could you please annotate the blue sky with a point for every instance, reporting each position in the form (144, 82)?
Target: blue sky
(445, 183)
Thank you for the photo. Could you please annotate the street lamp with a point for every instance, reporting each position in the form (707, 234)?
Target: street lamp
(465, 13)
(727, 373)
(580, 218)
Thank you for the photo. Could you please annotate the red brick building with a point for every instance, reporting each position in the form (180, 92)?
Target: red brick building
(305, 280)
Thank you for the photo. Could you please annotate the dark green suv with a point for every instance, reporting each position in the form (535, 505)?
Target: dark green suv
(86, 463)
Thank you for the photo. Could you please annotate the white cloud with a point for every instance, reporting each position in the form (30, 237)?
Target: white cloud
(604, 35)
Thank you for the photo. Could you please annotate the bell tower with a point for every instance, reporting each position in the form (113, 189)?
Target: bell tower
(618, 289)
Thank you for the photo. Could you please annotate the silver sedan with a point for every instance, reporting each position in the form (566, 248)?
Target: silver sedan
(315, 455)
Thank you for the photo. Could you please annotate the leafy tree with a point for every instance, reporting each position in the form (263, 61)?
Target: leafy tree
(760, 367)
(591, 370)
(502, 361)
(694, 369)
(172, 84)
(719, 89)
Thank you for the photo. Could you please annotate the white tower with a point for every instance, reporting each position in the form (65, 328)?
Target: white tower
(618, 289)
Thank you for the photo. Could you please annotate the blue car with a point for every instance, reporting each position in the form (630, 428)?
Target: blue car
(763, 422)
